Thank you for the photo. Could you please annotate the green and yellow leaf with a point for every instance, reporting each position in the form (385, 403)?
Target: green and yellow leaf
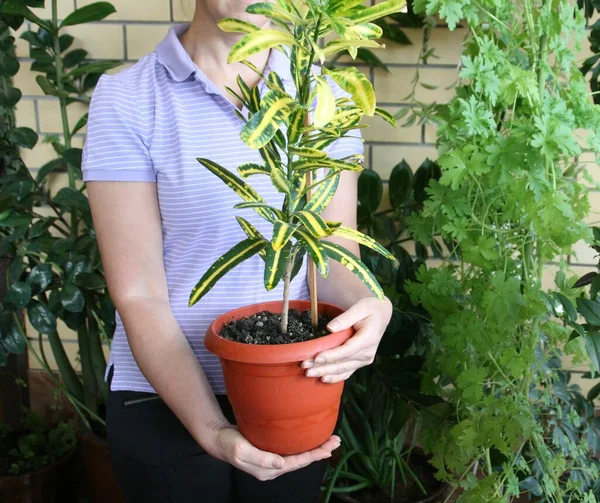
(363, 239)
(312, 153)
(240, 187)
(274, 82)
(280, 182)
(262, 127)
(275, 213)
(358, 85)
(272, 11)
(312, 164)
(315, 249)
(282, 232)
(340, 7)
(325, 109)
(245, 170)
(295, 126)
(231, 25)
(386, 116)
(272, 160)
(275, 264)
(251, 232)
(354, 264)
(376, 11)
(235, 256)
(368, 31)
(342, 45)
(313, 223)
(324, 193)
(258, 41)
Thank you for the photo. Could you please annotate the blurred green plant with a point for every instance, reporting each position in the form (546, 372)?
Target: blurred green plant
(34, 444)
(592, 64)
(55, 271)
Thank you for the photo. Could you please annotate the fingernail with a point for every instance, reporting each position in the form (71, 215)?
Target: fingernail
(277, 463)
(307, 364)
(320, 359)
(311, 373)
(333, 326)
(326, 379)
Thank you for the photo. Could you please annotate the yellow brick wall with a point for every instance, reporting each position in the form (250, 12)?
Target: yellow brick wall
(137, 27)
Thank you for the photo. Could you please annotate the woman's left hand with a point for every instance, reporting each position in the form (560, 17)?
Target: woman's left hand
(370, 318)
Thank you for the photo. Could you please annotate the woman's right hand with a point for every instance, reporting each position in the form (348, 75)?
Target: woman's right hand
(231, 446)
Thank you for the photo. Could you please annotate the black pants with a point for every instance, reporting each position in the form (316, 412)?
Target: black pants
(156, 460)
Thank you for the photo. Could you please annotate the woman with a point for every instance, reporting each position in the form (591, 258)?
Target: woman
(169, 422)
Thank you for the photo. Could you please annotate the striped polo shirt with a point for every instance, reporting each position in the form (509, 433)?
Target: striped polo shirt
(148, 123)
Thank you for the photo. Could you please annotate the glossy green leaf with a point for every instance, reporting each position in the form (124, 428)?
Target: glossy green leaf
(72, 298)
(24, 137)
(10, 337)
(313, 223)
(92, 12)
(10, 97)
(41, 318)
(282, 232)
(590, 310)
(370, 190)
(400, 185)
(98, 67)
(71, 198)
(18, 295)
(592, 344)
(73, 156)
(74, 57)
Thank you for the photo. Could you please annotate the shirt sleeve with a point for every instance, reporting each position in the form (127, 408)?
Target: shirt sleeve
(116, 146)
(352, 142)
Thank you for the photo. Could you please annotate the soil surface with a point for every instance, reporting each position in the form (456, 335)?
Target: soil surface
(264, 328)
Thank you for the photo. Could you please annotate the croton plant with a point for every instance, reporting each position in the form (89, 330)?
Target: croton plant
(292, 130)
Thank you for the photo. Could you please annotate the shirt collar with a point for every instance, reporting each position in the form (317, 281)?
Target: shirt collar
(172, 55)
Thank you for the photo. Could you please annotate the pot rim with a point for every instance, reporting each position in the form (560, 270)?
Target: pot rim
(272, 354)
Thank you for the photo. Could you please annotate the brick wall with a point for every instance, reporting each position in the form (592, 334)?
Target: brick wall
(137, 27)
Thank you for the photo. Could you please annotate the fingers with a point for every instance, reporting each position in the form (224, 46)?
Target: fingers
(348, 318)
(267, 466)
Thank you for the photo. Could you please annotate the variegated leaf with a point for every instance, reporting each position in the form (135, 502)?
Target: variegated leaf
(272, 160)
(272, 12)
(312, 164)
(240, 187)
(386, 116)
(235, 256)
(368, 31)
(251, 232)
(261, 128)
(280, 182)
(363, 239)
(258, 41)
(274, 212)
(358, 85)
(295, 126)
(315, 249)
(324, 193)
(325, 109)
(313, 223)
(376, 11)
(354, 264)
(274, 82)
(282, 232)
(336, 46)
(312, 153)
(231, 25)
(245, 170)
(276, 262)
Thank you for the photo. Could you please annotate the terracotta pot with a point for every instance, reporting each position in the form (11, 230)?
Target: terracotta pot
(35, 487)
(101, 482)
(277, 408)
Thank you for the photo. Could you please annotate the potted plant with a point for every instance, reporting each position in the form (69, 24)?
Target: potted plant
(277, 408)
(54, 270)
(511, 198)
(30, 457)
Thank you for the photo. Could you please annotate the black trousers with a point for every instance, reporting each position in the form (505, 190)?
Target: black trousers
(156, 460)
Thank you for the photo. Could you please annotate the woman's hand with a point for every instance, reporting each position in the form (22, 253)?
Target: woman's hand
(231, 446)
(370, 318)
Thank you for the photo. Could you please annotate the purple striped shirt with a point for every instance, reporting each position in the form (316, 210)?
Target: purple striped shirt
(148, 123)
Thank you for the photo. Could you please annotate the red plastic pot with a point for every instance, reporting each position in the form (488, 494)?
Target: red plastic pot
(277, 408)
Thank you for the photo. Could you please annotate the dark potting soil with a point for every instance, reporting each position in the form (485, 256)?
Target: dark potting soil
(264, 328)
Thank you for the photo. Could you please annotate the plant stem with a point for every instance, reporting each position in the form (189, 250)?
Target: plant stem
(286, 297)
(63, 104)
